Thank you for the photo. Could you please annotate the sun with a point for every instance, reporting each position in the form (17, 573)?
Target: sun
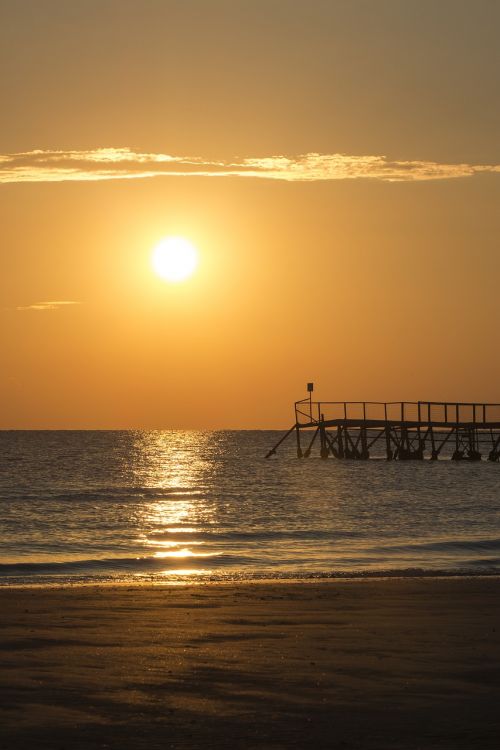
(174, 259)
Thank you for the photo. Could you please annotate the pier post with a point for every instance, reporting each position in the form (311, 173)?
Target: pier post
(388, 449)
(340, 442)
(434, 452)
(420, 453)
(404, 446)
(365, 453)
(494, 454)
(299, 449)
(457, 455)
(474, 454)
(324, 445)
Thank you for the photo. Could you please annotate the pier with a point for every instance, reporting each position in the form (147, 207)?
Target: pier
(400, 430)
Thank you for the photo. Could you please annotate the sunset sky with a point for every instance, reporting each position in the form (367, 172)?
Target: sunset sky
(335, 163)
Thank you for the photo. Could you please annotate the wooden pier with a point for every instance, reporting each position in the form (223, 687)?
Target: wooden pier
(400, 430)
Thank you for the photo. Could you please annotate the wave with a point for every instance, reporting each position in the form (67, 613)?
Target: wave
(113, 493)
(227, 567)
(254, 535)
(444, 545)
(119, 564)
(246, 553)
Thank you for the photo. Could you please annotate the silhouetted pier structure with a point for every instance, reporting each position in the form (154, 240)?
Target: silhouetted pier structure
(406, 430)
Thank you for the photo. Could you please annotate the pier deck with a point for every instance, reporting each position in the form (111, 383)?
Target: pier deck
(406, 430)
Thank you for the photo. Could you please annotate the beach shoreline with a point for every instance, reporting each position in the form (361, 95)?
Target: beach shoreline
(187, 581)
(360, 663)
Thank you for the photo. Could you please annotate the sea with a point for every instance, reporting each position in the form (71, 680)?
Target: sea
(180, 506)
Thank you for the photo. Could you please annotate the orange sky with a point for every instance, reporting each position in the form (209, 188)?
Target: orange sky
(370, 267)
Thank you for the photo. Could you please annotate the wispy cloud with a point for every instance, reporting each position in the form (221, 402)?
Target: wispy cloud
(53, 305)
(124, 163)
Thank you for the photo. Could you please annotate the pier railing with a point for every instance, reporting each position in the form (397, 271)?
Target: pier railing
(421, 412)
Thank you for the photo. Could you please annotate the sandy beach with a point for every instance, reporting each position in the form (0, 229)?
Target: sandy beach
(351, 664)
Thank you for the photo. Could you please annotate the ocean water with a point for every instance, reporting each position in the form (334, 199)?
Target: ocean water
(176, 506)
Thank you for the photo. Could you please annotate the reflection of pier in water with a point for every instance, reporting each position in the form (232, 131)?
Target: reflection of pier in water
(405, 430)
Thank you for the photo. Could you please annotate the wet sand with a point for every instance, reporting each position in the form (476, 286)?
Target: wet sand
(351, 664)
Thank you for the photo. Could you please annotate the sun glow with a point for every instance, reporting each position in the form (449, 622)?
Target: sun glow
(174, 259)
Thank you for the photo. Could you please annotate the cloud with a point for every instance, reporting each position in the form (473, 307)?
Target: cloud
(124, 163)
(55, 305)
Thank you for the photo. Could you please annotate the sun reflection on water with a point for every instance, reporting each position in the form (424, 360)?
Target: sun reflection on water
(165, 513)
(186, 573)
(183, 552)
(174, 469)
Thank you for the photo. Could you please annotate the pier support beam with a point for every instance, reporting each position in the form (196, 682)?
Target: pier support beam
(272, 452)
(307, 452)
